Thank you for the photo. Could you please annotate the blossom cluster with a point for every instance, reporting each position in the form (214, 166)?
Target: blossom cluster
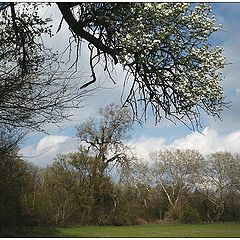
(169, 45)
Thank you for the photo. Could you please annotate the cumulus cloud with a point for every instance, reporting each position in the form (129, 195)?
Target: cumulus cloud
(44, 152)
(208, 141)
(143, 145)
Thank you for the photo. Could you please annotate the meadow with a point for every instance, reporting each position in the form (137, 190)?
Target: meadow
(163, 230)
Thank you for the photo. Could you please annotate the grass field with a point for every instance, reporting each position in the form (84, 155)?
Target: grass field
(175, 230)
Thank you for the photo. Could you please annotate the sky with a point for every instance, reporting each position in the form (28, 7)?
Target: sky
(215, 135)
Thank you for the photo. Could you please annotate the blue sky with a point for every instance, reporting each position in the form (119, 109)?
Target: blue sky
(216, 135)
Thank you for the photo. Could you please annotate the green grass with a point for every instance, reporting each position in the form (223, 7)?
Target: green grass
(174, 230)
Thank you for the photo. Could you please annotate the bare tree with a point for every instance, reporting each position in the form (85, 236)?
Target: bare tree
(177, 172)
(138, 176)
(105, 136)
(220, 178)
(33, 89)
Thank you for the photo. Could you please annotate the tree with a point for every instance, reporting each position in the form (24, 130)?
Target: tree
(8, 140)
(137, 184)
(138, 177)
(163, 47)
(77, 191)
(220, 179)
(13, 181)
(105, 137)
(104, 140)
(33, 90)
(177, 173)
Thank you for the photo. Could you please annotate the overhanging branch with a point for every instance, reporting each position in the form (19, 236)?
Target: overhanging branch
(79, 31)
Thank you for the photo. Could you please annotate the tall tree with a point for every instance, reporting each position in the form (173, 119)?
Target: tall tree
(78, 191)
(106, 136)
(13, 181)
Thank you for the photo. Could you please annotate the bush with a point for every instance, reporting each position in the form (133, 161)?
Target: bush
(190, 215)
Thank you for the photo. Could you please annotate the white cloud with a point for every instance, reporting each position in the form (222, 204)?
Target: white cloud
(208, 141)
(143, 145)
(50, 141)
(47, 149)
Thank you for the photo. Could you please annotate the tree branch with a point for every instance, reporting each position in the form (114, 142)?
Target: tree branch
(79, 31)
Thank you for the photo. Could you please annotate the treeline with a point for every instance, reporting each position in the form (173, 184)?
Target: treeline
(104, 184)
(175, 186)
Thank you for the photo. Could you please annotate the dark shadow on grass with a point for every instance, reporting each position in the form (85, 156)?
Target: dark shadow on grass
(42, 231)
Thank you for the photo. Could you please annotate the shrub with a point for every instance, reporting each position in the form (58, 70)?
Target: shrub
(190, 215)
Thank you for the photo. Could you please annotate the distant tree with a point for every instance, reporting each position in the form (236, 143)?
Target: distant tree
(177, 173)
(105, 137)
(58, 191)
(137, 175)
(31, 200)
(164, 49)
(137, 184)
(220, 179)
(78, 191)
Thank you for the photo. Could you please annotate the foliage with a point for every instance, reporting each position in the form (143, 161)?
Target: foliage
(220, 179)
(75, 190)
(190, 215)
(79, 188)
(177, 173)
(13, 180)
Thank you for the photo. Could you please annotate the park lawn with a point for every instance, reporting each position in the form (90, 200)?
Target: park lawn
(163, 230)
